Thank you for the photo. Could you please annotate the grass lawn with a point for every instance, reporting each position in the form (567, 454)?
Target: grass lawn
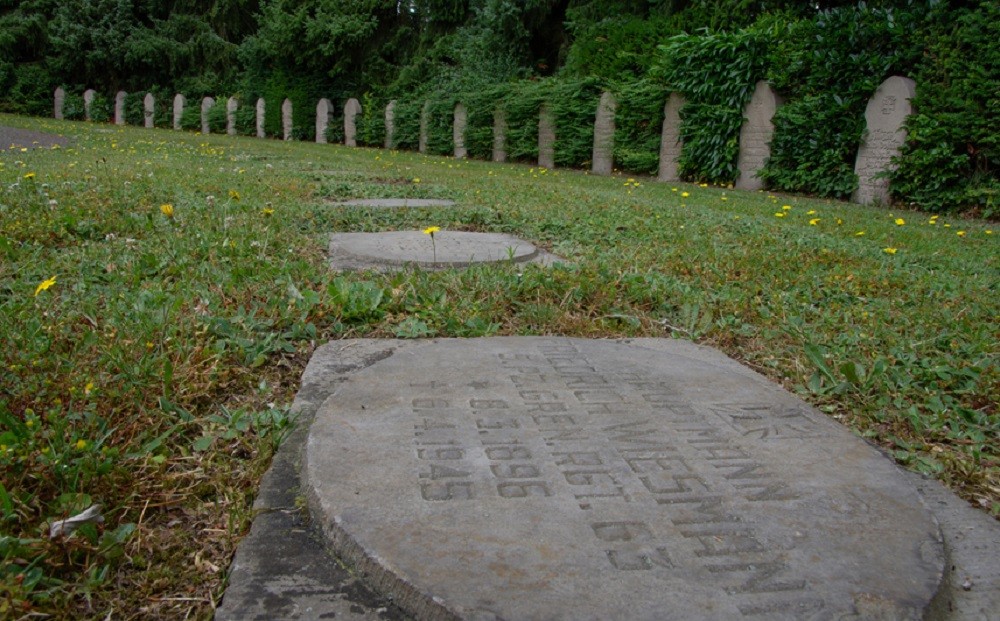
(161, 292)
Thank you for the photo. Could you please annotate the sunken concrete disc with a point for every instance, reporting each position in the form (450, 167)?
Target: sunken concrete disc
(397, 202)
(544, 478)
(448, 249)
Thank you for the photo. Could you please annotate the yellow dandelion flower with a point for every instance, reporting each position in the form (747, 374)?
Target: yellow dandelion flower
(267, 211)
(786, 207)
(814, 222)
(859, 233)
(29, 175)
(81, 444)
(431, 230)
(900, 222)
(416, 180)
(89, 388)
(233, 194)
(685, 194)
(988, 231)
(45, 284)
(811, 212)
(167, 209)
(889, 250)
(960, 233)
(780, 214)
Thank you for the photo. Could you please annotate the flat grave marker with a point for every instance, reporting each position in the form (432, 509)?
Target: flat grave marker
(554, 478)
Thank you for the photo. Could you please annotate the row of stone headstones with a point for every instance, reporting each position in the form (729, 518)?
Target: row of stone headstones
(885, 115)
(324, 113)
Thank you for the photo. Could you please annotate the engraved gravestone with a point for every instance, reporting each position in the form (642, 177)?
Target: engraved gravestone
(755, 136)
(60, 100)
(351, 111)
(323, 111)
(670, 138)
(148, 110)
(286, 119)
(461, 119)
(261, 109)
(179, 102)
(554, 478)
(546, 138)
(884, 116)
(425, 113)
(390, 125)
(232, 105)
(206, 107)
(120, 107)
(88, 102)
(602, 159)
(499, 135)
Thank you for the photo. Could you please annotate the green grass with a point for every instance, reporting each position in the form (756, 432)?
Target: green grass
(154, 376)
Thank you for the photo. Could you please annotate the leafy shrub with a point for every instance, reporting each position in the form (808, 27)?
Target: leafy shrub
(407, 123)
(951, 159)
(638, 125)
(521, 105)
(217, 118)
(100, 109)
(371, 122)
(73, 107)
(134, 111)
(191, 116)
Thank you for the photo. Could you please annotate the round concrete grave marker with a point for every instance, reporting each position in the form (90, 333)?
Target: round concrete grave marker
(397, 202)
(550, 478)
(447, 249)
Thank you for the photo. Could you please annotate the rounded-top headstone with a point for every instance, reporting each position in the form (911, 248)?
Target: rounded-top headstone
(323, 111)
(88, 101)
(351, 110)
(232, 105)
(206, 106)
(460, 121)
(148, 110)
(670, 139)
(445, 249)
(260, 117)
(59, 101)
(179, 102)
(755, 136)
(286, 119)
(120, 107)
(885, 135)
(602, 157)
(550, 478)
(499, 135)
(390, 125)
(546, 138)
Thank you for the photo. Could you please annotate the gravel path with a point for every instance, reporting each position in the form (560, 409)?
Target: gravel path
(13, 138)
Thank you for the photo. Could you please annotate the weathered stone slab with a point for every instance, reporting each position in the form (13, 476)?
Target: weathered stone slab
(232, 105)
(425, 118)
(351, 110)
(884, 116)
(206, 106)
(602, 159)
(324, 109)
(261, 108)
(755, 135)
(179, 102)
(461, 120)
(549, 478)
(286, 119)
(390, 125)
(148, 111)
(88, 102)
(120, 107)
(670, 139)
(397, 202)
(499, 135)
(59, 102)
(546, 138)
(448, 249)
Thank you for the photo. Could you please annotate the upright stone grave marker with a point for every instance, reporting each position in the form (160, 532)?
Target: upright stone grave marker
(149, 111)
(286, 119)
(351, 111)
(551, 478)
(323, 110)
(232, 105)
(88, 102)
(425, 114)
(884, 116)
(546, 138)
(179, 102)
(260, 117)
(60, 101)
(602, 159)
(499, 135)
(755, 136)
(206, 106)
(390, 125)
(461, 119)
(120, 107)
(670, 138)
